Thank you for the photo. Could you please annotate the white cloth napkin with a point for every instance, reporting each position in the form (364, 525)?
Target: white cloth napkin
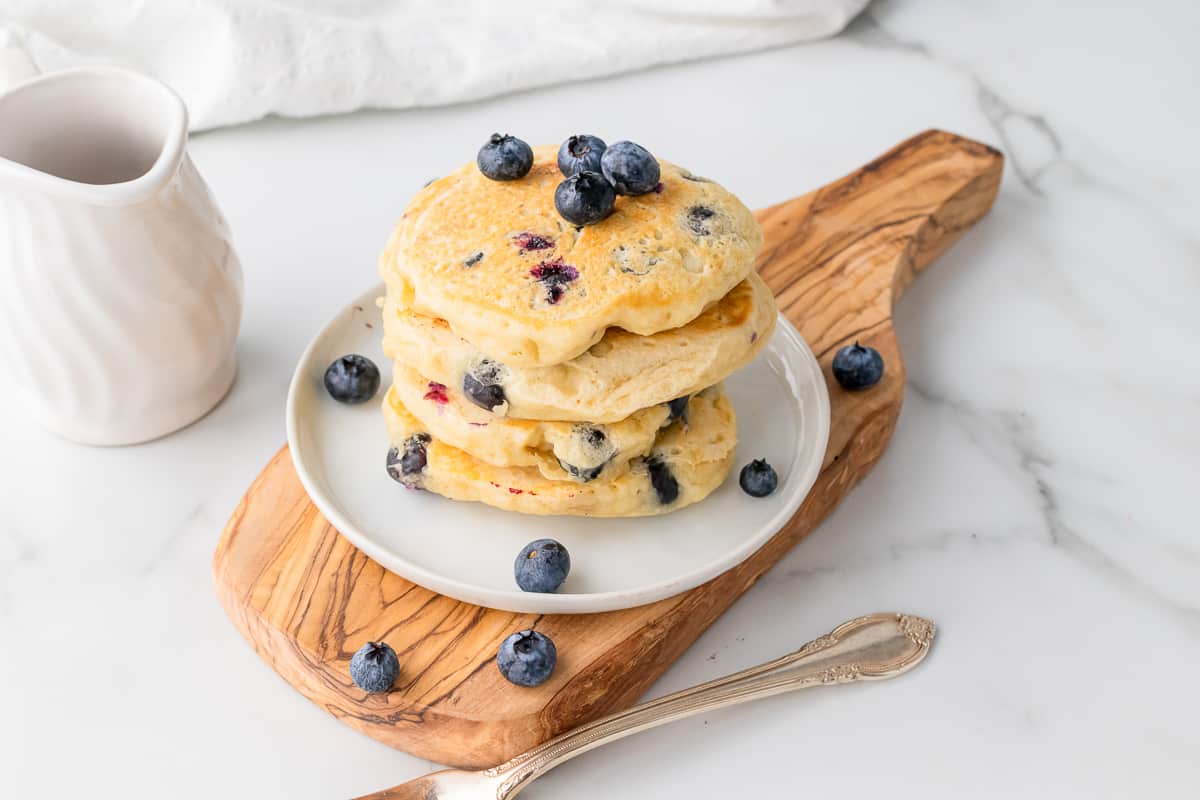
(238, 60)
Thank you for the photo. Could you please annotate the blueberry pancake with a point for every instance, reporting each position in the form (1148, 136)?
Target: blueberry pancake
(618, 376)
(563, 451)
(507, 273)
(686, 463)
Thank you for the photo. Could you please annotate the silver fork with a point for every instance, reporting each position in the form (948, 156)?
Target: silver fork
(868, 648)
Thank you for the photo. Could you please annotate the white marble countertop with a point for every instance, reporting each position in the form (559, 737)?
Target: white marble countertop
(1037, 501)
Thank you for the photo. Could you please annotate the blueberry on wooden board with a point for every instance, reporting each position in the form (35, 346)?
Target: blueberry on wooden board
(374, 668)
(856, 367)
(527, 658)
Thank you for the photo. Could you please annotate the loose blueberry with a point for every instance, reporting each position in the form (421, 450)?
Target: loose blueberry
(542, 566)
(527, 658)
(482, 385)
(758, 478)
(554, 275)
(697, 220)
(374, 668)
(679, 408)
(857, 367)
(505, 158)
(352, 379)
(630, 168)
(405, 466)
(585, 198)
(664, 483)
(580, 153)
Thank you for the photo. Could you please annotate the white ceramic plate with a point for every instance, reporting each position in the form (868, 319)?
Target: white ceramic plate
(466, 550)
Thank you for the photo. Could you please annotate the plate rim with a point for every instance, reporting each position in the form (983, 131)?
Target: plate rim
(551, 603)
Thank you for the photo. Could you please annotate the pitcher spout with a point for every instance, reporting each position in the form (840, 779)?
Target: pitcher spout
(97, 135)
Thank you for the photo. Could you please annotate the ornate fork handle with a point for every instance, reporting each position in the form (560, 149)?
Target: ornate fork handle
(867, 648)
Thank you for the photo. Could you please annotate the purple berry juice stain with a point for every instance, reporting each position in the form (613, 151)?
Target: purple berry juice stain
(554, 275)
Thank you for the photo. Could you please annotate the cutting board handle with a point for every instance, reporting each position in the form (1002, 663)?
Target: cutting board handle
(839, 257)
(862, 239)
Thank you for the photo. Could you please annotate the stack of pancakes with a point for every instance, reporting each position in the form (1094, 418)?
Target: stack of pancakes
(551, 369)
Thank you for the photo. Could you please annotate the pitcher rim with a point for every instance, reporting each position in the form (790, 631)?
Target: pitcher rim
(129, 192)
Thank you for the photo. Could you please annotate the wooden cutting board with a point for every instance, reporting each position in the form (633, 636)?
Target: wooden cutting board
(305, 599)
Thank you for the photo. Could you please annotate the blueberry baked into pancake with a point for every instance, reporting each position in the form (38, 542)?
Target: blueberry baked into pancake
(611, 380)
(687, 461)
(580, 451)
(560, 321)
(507, 272)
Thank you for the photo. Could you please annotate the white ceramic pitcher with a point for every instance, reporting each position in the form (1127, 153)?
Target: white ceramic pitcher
(120, 293)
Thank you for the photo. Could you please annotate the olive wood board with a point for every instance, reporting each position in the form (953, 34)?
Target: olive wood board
(837, 258)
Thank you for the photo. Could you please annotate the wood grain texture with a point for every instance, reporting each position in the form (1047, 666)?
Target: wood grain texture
(305, 599)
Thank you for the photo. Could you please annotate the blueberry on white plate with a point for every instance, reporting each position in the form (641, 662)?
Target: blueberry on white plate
(542, 566)
(758, 478)
(352, 379)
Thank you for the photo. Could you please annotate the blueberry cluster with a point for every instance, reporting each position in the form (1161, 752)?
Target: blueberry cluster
(594, 172)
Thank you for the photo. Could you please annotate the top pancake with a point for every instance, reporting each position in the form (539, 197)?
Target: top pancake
(524, 286)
